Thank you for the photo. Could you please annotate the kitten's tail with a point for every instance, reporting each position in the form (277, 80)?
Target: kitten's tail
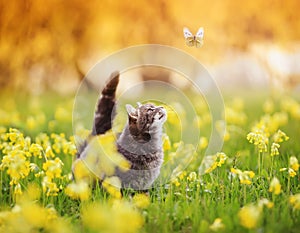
(105, 113)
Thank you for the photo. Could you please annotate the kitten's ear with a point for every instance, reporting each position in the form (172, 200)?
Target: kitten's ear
(131, 111)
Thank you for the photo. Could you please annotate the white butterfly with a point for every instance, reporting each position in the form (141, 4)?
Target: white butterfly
(192, 40)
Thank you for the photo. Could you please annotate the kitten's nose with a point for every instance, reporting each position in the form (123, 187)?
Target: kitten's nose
(162, 112)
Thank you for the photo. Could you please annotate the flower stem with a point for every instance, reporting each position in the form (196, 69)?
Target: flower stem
(272, 163)
(259, 158)
(288, 185)
(245, 195)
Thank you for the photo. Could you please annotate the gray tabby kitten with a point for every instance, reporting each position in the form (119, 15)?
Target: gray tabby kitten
(140, 141)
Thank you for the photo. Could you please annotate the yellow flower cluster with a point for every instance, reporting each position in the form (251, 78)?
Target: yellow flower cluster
(28, 216)
(112, 185)
(179, 176)
(274, 149)
(100, 162)
(280, 136)
(217, 225)
(119, 216)
(62, 145)
(295, 201)
(291, 106)
(260, 139)
(21, 157)
(141, 200)
(250, 215)
(217, 161)
(275, 186)
(267, 126)
(18, 167)
(234, 115)
(166, 142)
(52, 169)
(245, 177)
(79, 190)
(293, 167)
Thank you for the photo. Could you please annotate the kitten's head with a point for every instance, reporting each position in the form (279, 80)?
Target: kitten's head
(145, 120)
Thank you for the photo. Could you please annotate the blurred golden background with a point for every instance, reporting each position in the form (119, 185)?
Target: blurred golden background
(44, 43)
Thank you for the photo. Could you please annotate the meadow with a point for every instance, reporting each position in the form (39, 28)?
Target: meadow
(252, 185)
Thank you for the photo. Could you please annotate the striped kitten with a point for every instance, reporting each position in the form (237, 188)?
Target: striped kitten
(140, 141)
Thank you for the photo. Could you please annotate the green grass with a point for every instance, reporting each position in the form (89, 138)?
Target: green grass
(179, 204)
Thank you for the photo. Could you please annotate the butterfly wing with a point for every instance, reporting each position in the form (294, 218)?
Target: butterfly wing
(199, 37)
(200, 33)
(189, 37)
(187, 33)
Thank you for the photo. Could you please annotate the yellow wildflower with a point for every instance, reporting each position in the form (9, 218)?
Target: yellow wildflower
(244, 176)
(14, 135)
(119, 216)
(166, 142)
(280, 136)
(175, 114)
(295, 201)
(43, 140)
(275, 186)
(113, 186)
(79, 190)
(102, 156)
(220, 158)
(259, 139)
(34, 215)
(265, 202)
(274, 149)
(72, 150)
(292, 173)
(17, 189)
(49, 153)
(59, 144)
(293, 167)
(217, 161)
(18, 167)
(217, 225)
(52, 214)
(182, 175)
(141, 201)
(36, 150)
(108, 145)
(294, 164)
(31, 217)
(129, 219)
(81, 171)
(192, 177)
(31, 194)
(203, 143)
(249, 216)
(53, 168)
(49, 187)
(176, 182)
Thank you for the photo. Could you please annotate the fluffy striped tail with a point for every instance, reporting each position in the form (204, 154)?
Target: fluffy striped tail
(105, 113)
